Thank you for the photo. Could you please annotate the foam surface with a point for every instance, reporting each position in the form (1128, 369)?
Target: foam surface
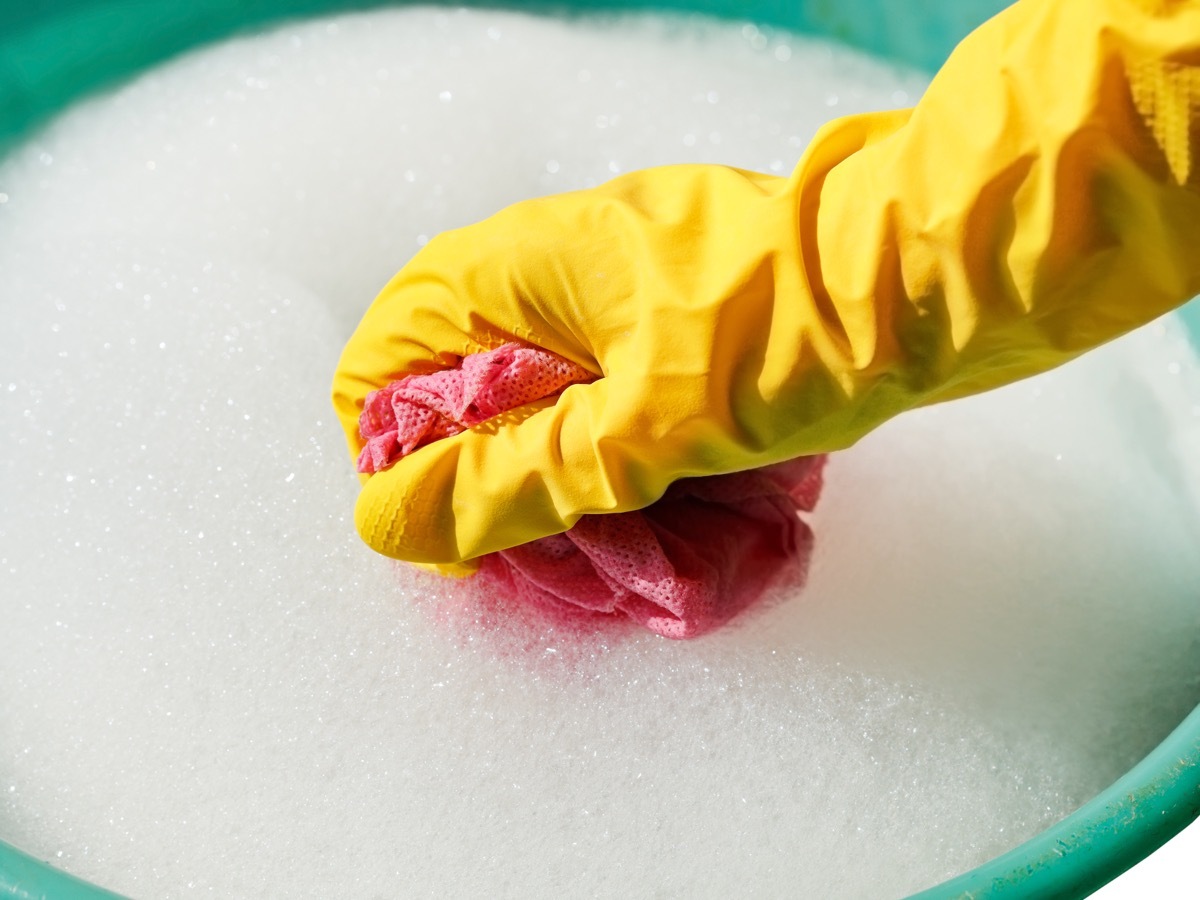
(210, 687)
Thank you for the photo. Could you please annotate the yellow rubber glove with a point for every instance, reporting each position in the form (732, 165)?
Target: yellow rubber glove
(1042, 198)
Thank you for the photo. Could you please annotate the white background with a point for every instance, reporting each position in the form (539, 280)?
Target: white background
(1172, 871)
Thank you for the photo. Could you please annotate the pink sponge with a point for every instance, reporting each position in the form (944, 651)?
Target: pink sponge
(683, 566)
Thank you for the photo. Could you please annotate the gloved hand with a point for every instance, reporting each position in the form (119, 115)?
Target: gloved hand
(1042, 198)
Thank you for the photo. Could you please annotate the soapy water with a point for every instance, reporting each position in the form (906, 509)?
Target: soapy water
(210, 686)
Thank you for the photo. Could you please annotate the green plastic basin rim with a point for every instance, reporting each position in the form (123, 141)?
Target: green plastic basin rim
(54, 51)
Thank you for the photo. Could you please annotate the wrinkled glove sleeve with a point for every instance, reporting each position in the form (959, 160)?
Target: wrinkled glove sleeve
(1042, 198)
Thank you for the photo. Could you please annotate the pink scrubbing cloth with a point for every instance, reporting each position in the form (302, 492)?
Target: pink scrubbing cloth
(421, 409)
(683, 566)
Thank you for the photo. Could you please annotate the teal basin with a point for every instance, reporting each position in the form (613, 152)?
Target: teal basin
(55, 51)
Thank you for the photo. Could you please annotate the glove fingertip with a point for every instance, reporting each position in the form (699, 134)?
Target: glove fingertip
(405, 512)
(458, 570)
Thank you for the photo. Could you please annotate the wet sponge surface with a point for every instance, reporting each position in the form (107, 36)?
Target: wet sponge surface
(704, 552)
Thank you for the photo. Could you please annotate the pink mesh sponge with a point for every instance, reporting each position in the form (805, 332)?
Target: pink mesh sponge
(683, 566)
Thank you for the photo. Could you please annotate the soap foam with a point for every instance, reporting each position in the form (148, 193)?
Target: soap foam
(210, 686)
